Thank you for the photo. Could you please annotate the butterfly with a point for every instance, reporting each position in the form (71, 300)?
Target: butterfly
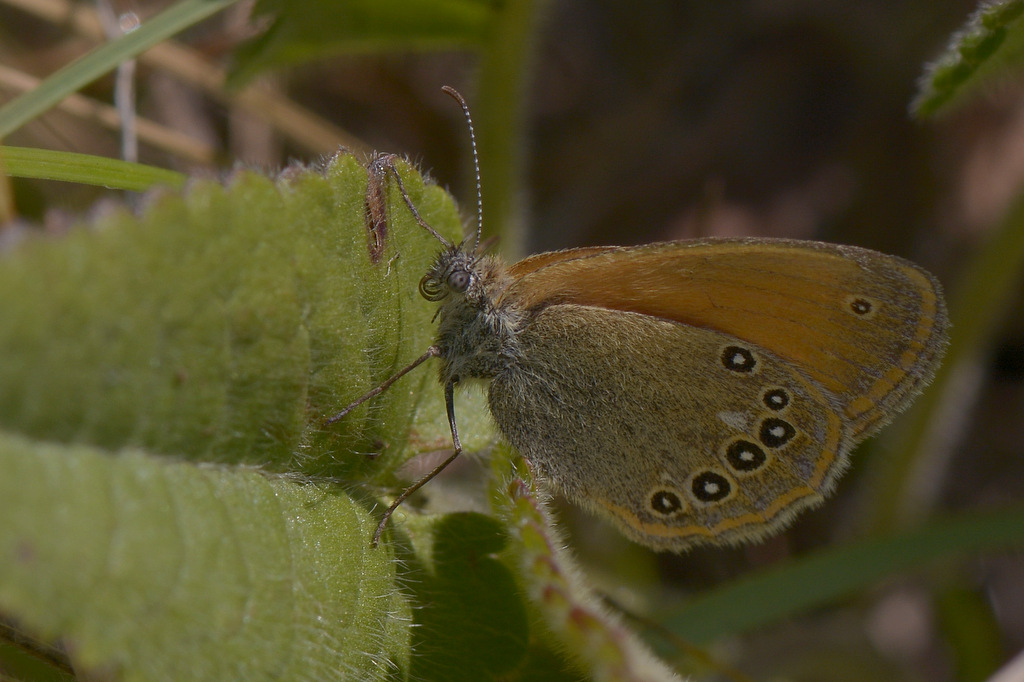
(694, 391)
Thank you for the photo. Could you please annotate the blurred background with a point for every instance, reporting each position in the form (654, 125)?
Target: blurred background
(640, 122)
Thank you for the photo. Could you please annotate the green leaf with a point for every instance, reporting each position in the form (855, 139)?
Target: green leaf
(156, 569)
(151, 360)
(226, 324)
(989, 45)
(473, 623)
(306, 31)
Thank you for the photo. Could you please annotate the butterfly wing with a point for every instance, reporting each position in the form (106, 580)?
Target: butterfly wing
(680, 434)
(867, 327)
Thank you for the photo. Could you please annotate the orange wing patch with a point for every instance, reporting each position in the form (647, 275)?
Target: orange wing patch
(866, 326)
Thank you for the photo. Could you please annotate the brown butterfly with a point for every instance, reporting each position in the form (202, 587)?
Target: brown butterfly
(693, 392)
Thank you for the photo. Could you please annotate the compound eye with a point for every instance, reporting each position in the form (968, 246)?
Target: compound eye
(459, 280)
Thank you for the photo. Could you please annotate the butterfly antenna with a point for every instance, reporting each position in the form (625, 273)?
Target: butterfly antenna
(454, 94)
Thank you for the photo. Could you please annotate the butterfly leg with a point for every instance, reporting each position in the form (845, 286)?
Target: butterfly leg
(449, 399)
(378, 169)
(432, 352)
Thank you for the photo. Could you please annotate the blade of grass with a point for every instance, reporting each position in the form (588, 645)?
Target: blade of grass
(799, 585)
(191, 67)
(104, 59)
(178, 143)
(505, 65)
(27, 162)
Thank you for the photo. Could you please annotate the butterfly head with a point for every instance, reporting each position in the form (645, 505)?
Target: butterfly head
(452, 272)
(459, 269)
